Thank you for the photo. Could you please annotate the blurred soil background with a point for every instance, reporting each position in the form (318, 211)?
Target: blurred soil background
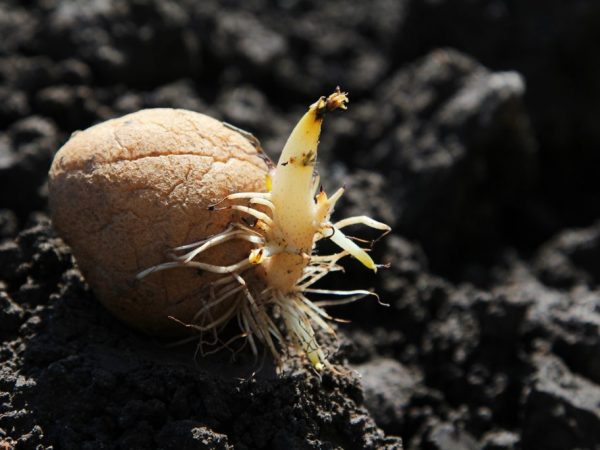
(472, 130)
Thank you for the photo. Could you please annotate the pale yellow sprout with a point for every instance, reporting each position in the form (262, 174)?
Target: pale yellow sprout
(284, 225)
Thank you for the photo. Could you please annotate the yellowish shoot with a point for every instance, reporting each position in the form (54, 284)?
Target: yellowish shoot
(272, 282)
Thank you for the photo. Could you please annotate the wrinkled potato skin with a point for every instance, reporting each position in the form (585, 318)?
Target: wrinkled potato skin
(126, 191)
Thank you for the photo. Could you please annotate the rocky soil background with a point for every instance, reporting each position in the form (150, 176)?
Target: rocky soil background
(472, 130)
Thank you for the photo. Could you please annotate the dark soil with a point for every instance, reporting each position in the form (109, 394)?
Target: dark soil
(472, 130)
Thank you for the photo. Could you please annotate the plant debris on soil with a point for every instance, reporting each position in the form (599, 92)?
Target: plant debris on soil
(472, 130)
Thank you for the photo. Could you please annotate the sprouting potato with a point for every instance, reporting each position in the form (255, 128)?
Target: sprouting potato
(244, 250)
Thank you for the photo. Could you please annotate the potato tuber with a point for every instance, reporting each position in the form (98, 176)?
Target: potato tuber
(125, 192)
(168, 189)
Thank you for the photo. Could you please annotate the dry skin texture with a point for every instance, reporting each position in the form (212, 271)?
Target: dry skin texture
(127, 193)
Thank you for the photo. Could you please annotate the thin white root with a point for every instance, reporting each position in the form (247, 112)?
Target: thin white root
(198, 243)
(222, 320)
(314, 272)
(256, 325)
(226, 344)
(327, 258)
(254, 212)
(316, 314)
(300, 329)
(236, 234)
(264, 202)
(362, 220)
(194, 265)
(238, 195)
(219, 269)
(339, 292)
(345, 301)
(217, 301)
(248, 329)
(232, 227)
(316, 276)
(241, 195)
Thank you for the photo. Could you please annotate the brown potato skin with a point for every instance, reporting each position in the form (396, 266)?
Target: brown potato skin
(125, 192)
